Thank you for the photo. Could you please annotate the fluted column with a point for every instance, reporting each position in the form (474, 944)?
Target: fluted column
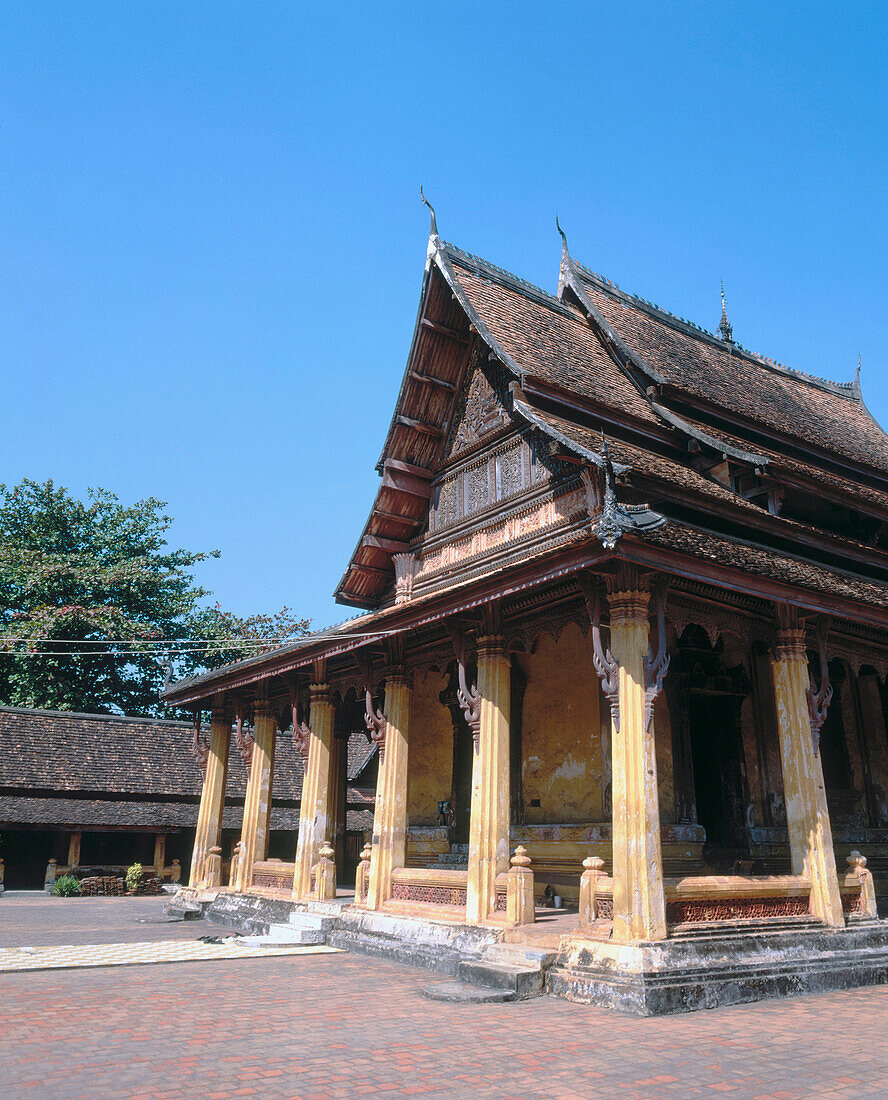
(257, 805)
(389, 848)
(489, 824)
(314, 814)
(639, 904)
(807, 815)
(212, 798)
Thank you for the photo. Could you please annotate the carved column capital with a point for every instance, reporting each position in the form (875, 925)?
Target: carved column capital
(262, 708)
(398, 674)
(320, 693)
(790, 644)
(222, 713)
(491, 645)
(628, 593)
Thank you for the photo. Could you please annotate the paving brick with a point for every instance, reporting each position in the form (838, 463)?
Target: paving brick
(342, 1025)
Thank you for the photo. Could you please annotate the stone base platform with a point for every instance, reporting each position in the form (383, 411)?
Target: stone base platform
(716, 967)
(713, 970)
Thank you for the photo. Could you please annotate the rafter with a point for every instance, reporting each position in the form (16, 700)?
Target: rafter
(418, 376)
(445, 330)
(392, 546)
(418, 425)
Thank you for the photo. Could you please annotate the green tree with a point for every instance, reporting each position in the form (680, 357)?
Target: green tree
(91, 599)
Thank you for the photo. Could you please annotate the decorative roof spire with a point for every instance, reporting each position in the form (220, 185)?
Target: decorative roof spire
(434, 229)
(857, 373)
(561, 231)
(724, 325)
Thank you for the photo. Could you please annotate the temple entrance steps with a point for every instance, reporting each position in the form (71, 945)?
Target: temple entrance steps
(300, 928)
(183, 907)
(509, 966)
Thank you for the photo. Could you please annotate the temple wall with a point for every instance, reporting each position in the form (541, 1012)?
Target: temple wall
(430, 752)
(562, 736)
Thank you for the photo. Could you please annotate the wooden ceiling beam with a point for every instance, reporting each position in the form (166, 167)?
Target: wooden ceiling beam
(446, 330)
(377, 542)
(408, 468)
(380, 514)
(418, 376)
(418, 425)
(372, 570)
(406, 483)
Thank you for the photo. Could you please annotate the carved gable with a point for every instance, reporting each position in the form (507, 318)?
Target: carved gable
(480, 410)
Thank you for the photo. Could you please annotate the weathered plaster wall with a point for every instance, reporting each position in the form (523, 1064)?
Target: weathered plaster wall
(430, 752)
(561, 737)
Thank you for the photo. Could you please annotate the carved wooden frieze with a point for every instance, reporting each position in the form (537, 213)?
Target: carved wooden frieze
(480, 410)
(552, 513)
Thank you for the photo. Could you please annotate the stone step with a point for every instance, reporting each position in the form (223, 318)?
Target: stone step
(520, 954)
(282, 935)
(724, 929)
(522, 981)
(462, 993)
(182, 909)
(308, 922)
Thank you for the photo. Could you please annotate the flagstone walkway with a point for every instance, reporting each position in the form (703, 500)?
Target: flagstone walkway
(76, 956)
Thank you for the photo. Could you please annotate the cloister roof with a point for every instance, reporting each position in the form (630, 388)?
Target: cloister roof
(62, 767)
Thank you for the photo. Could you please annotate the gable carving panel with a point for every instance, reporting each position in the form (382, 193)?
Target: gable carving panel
(481, 409)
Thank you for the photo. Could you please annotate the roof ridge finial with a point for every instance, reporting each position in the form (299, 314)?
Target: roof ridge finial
(857, 372)
(563, 235)
(434, 229)
(724, 325)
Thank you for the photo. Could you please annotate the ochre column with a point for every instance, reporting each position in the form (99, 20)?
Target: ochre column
(639, 905)
(159, 853)
(212, 797)
(489, 825)
(314, 811)
(74, 849)
(807, 816)
(389, 848)
(257, 804)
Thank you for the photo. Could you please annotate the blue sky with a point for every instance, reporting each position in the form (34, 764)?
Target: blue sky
(211, 240)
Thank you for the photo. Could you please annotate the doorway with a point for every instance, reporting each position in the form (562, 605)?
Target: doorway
(719, 788)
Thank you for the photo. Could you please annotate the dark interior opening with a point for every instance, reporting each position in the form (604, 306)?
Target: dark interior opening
(718, 775)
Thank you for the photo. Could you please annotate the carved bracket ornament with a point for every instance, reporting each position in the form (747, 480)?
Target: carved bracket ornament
(242, 739)
(200, 747)
(819, 699)
(467, 696)
(301, 731)
(374, 719)
(656, 665)
(605, 664)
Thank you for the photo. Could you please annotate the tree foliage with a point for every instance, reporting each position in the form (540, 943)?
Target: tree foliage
(91, 595)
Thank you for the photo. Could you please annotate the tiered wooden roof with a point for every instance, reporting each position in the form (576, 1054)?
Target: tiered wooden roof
(679, 405)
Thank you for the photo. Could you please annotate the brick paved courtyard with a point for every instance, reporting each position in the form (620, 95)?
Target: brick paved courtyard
(342, 1025)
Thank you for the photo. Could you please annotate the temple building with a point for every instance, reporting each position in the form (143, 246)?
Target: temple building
(94, 793)
(624, 641)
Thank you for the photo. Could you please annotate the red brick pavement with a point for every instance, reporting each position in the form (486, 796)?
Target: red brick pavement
(341, 1025)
